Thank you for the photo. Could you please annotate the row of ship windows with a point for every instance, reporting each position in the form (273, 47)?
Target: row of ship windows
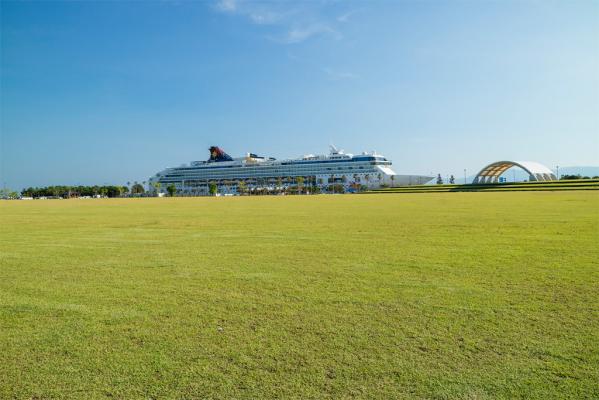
(292, 165)
(308, 179)
(203, 183)
(263, 173)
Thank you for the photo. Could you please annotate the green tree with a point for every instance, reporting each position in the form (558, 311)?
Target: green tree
(212, 188)
(171, 189)
(6, 193)
(137, 189)
(157, 186)
(300, 184)
(241, 187)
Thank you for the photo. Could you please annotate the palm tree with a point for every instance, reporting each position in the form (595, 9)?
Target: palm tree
(392, 180)
(157, 187)
(241, 187)
(332, 183)
(300, 183)
(312, 180)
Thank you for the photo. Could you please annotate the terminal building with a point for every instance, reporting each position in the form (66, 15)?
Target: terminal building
(252, 172)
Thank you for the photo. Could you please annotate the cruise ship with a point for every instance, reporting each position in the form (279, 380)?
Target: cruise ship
(336, 172)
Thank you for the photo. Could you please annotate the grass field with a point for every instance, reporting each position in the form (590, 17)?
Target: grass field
(561, 185)
(440, 296)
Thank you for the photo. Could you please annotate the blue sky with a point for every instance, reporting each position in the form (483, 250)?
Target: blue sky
(110, 92)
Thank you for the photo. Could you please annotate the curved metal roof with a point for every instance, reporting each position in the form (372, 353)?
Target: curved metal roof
(492, 172)
(534, 167)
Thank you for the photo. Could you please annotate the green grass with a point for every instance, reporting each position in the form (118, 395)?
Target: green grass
(579, 184)
(437, 296)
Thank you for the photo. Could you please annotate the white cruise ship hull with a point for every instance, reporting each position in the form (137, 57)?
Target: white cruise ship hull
(336, 172)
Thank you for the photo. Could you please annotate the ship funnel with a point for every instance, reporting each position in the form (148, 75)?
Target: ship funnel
(217, 154)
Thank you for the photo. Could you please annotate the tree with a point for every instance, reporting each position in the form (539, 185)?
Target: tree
(6, 193)
(213, 189)
(439, 179)
(572, 176)
(337, 188)
(451, 179)
(241, 187)
(300, 183)
(113, 191)
(137, 189)
(157, 186)
(171, 189)
(392, 180)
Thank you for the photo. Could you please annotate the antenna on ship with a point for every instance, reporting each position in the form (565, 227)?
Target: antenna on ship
(333, 149)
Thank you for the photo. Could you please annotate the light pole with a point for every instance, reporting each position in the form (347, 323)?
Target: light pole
(464, 176)
(557, 171)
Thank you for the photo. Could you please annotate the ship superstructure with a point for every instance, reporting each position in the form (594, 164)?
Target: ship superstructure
(337, 171)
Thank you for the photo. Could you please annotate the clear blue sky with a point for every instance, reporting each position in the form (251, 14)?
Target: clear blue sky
(109, 92)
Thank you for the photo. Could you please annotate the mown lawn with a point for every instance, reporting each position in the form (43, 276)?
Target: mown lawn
(441, 296)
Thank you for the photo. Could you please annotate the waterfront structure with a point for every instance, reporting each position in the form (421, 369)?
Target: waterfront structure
(536, 171)
(337, 171)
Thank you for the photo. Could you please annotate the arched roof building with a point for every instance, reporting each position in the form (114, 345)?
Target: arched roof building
(492, 172)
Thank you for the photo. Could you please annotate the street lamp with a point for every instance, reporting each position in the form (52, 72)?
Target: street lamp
(464, 176)
(557, 172)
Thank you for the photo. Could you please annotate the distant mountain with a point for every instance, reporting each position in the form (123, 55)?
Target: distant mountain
(584, 171)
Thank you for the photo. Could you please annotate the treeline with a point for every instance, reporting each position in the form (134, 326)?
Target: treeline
(577, 177)
(80, 191)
